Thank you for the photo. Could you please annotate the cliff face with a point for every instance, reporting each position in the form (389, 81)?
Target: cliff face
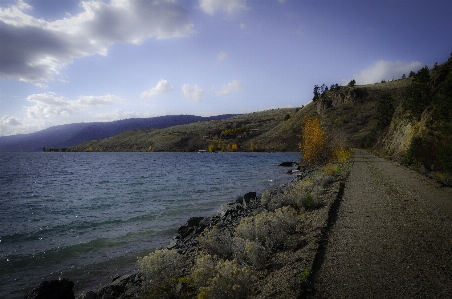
(343, 96)
(408, 118)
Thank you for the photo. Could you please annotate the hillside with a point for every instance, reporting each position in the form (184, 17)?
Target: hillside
(72, 134)
(226, 134)
(407, 119)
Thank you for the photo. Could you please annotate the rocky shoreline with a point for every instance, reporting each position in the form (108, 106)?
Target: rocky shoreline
(287, 270)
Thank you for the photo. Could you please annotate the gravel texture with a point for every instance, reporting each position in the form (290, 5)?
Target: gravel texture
(392, 237)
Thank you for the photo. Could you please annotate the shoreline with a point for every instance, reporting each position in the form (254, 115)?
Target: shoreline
(296, 260)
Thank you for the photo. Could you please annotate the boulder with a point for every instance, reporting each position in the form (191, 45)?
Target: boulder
(288, 164)
(190, 227)
(249, 196)
(53, 289)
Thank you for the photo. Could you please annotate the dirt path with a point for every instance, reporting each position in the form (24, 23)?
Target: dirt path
(392, 237)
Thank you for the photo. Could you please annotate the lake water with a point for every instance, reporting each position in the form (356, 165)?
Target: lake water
(88, 216)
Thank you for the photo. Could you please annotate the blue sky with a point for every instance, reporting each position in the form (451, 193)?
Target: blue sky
(82, 61)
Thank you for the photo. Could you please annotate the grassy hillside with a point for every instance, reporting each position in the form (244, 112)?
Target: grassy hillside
(237, 130)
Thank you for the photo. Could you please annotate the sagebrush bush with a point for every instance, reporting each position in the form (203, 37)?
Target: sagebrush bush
(300, 195)
(218, 278)
(268, 228)
(217, 242)
(160, 268)
(250, 252)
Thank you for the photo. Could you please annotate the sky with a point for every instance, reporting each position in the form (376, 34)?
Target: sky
(70, 61)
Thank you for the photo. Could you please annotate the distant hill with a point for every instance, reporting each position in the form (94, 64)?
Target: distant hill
(72, 134)
(228, 134)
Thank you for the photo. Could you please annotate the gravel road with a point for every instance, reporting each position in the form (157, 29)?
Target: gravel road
(392, 237)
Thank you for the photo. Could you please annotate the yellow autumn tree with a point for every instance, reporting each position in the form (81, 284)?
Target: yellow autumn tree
(314, 142)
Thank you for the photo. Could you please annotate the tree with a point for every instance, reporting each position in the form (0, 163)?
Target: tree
(313, 146)
(316, 93)
(351, 83)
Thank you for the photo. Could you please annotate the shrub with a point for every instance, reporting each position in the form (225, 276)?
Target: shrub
(275, 201)
(269, 228)
(160, 268)
(217, 242)
(251, 253)
(221, 278)
(342, 154)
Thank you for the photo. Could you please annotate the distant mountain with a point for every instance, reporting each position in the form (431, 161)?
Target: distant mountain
(73, 134)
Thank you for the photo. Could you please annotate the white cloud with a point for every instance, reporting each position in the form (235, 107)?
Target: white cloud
(48, 105)
(230, 87)
(10, 121)
(163, 87)
(192, 93)
(10, 125)
(35, 50)
(385, 70)
(222, 55)
(228, 6)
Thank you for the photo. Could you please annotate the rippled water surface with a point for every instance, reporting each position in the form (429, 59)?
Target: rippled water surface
(87, 216)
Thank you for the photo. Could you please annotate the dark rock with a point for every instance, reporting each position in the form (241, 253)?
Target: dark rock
(91, 295)
(184, 231)
(205, 222)
(239, 200)
(230, 209)
(194, 221)
(53, 289)
(122, 287)
(249, 196)
(173, 243)
(190, 227)
(288, 164)
(292, 171)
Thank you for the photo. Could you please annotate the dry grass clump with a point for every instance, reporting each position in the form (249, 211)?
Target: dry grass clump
(218, 278)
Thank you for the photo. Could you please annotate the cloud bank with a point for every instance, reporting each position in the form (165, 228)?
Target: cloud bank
(35, 50)
(49, 105)
(385, 70)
